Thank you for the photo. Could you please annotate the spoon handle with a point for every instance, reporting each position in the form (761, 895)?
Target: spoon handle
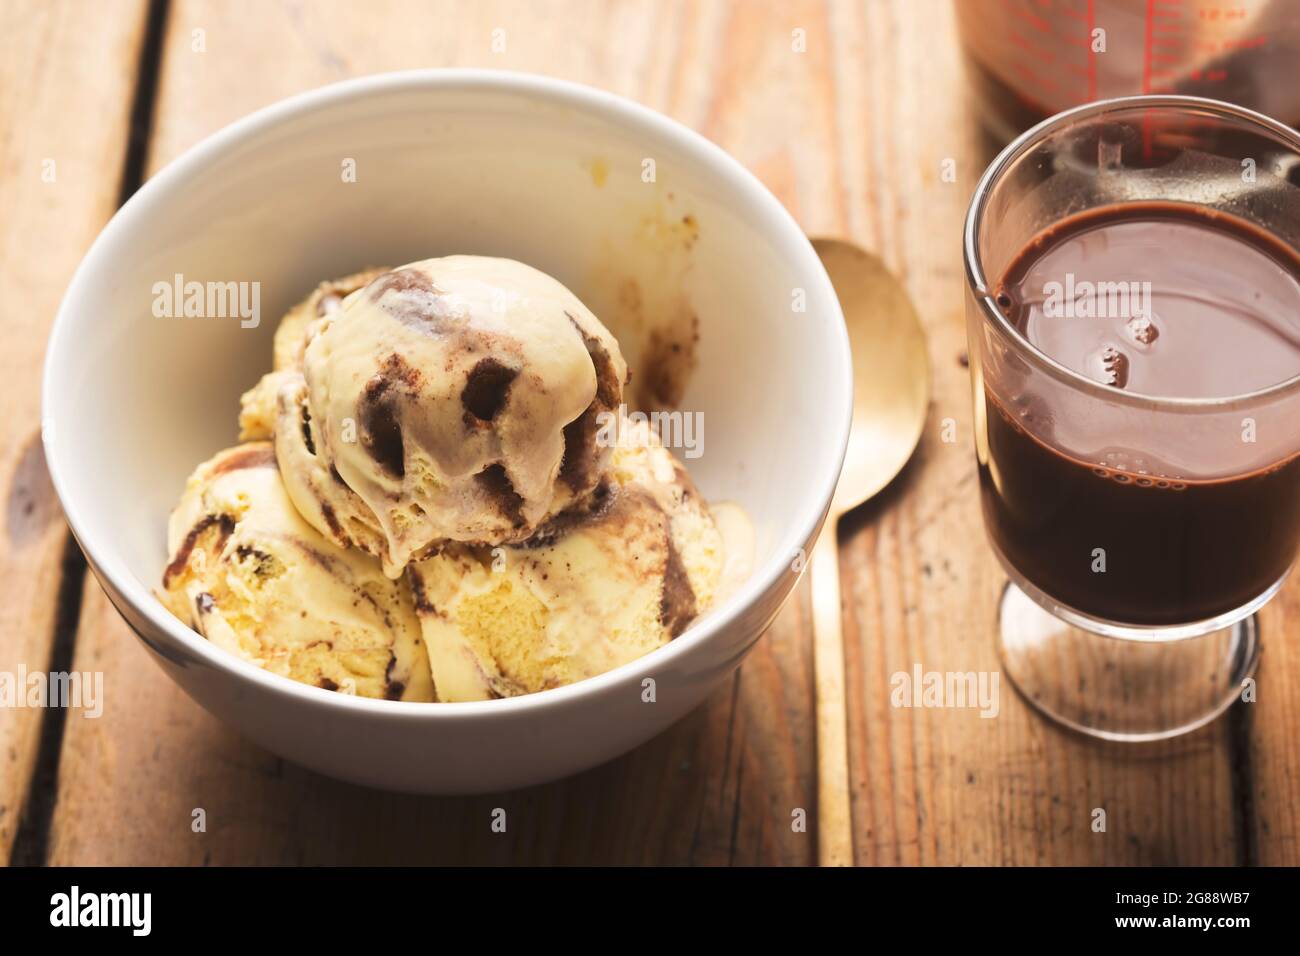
(834, 815)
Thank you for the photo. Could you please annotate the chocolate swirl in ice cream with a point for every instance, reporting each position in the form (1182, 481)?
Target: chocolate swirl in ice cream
(601, 584)
(456, 399)
(252, 577)
(449, 419)
(580, 451)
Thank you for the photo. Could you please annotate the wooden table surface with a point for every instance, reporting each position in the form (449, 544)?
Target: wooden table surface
(851, 134)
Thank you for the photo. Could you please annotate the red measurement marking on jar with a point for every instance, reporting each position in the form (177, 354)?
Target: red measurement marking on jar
(1047, 47)
(1189, 43)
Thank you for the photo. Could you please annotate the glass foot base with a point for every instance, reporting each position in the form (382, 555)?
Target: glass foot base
(1119, 689)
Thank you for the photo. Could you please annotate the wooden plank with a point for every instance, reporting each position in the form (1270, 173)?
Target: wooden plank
(1269, 770)
(850, 135)
(66, 77)
(720, 787)
(945, 786)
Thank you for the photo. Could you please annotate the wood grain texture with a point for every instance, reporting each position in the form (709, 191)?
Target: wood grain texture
(851, 135)
(721, 787)
(65, 96)
(1268, 768)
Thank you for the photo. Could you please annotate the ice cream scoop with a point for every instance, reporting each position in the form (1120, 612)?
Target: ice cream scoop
(252, 577)
(601, 585)
(453, 399)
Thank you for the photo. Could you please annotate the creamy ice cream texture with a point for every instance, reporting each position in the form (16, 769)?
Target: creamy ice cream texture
(251, 576)
(300, 323)
(257, 407)
(444, 419)
(450, 399)
(602, 586)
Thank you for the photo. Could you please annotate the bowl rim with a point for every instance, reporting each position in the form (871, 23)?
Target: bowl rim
(775, 219)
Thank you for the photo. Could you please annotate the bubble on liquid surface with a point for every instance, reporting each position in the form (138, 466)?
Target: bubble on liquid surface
(1142, 330)
(1109, 366)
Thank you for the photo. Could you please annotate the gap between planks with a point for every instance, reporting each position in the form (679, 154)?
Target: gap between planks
(31, 842)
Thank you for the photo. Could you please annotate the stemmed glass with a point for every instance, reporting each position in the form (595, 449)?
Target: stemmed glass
(1136, 657)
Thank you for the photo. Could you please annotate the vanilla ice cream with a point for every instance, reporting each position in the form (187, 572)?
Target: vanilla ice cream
(431, 503)
(257, 405)
(451, 399)
(252, 577)
(597, 587)
(295, 329)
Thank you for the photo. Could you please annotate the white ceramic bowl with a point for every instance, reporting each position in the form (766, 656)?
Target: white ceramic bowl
(504, 164)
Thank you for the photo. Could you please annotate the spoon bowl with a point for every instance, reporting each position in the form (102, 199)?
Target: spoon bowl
(891, 371)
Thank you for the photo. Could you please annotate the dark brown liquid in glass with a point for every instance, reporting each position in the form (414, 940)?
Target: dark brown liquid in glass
(1222, 319)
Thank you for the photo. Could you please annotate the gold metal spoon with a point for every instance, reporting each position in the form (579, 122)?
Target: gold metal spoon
(891, 394)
